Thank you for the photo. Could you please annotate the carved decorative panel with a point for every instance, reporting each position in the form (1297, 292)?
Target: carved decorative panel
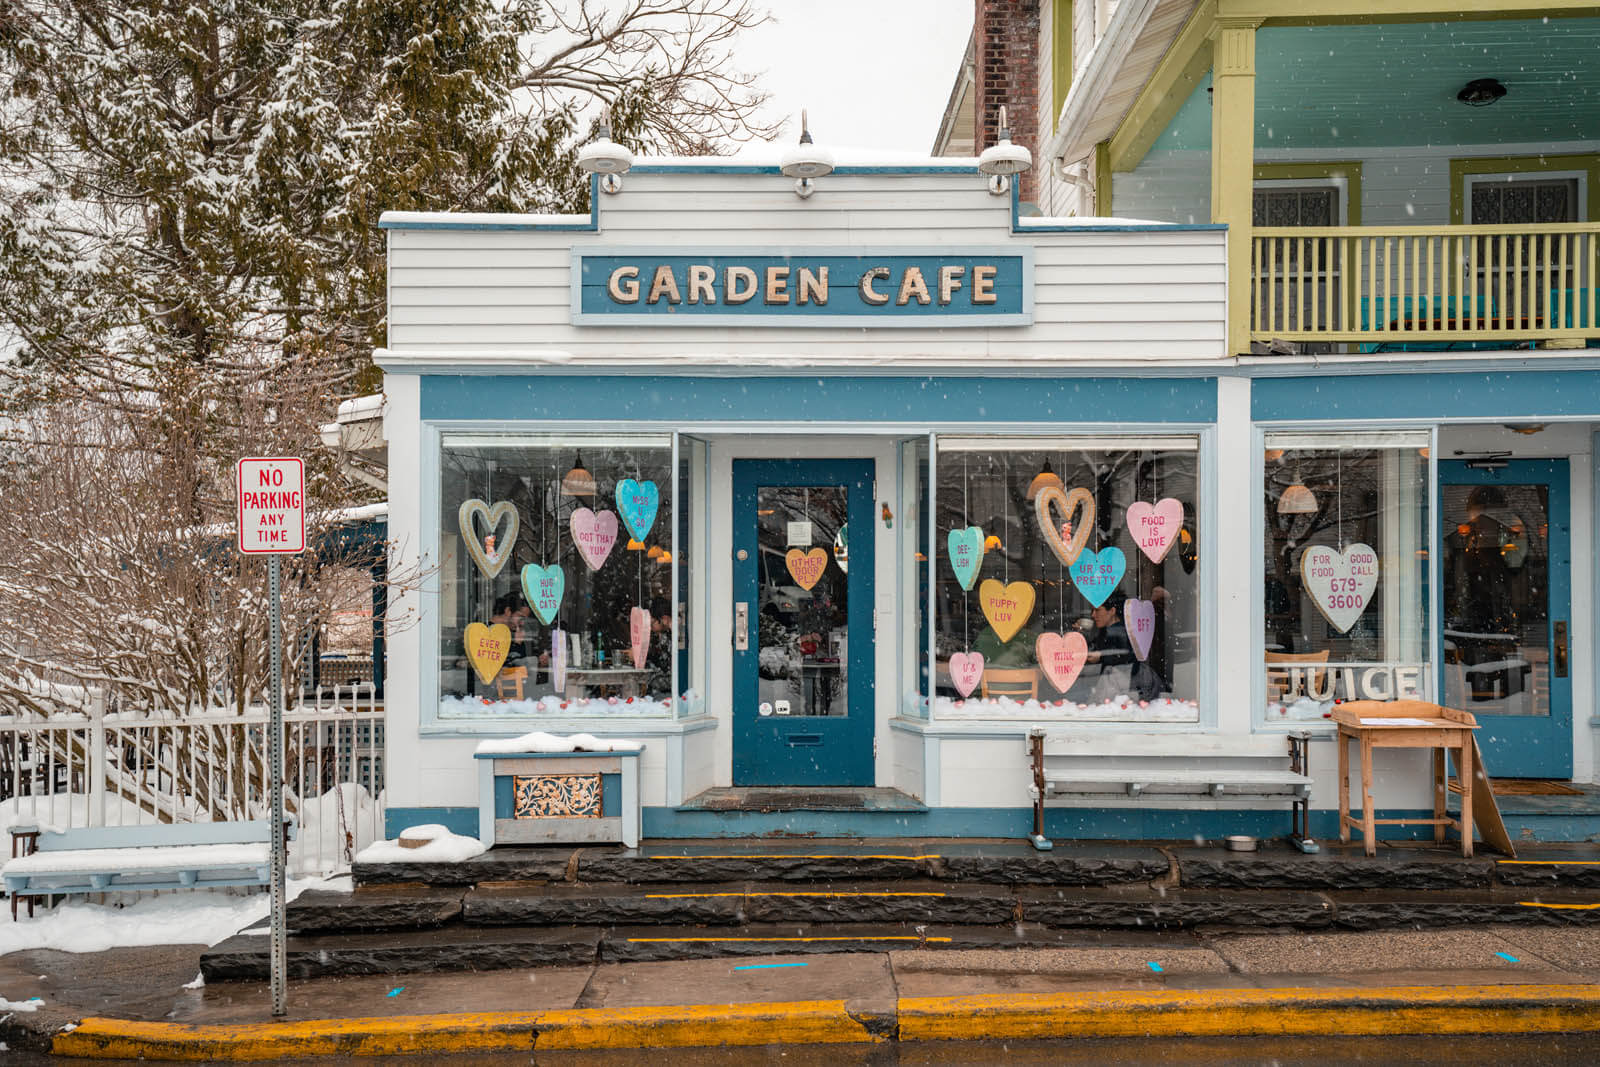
(556, 796)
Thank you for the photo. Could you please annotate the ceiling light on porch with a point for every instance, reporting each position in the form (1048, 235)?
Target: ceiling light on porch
(1481, 92)
(1046, 478)
(578, 482)
(1297, 500)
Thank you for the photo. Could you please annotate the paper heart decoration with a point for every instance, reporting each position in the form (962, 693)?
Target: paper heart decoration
(637, 503)
(966, 670)
(558, 660)
(1139, 616)
(594, 535)
(1155, 526)
(1061, 657)
(543, 587)
(639, 635)
(806, 567)
(1079, 498)
(1007, 607)
(487, 648)
(1341, 584)
(490, 553)
(966, 554)
(1096, 574)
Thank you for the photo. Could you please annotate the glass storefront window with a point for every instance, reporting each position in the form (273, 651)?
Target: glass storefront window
(1345, 570)
(556, 590)
(1066, 582)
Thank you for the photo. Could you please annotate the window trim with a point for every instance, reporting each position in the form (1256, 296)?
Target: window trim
(1345, 176)
(1585, 167)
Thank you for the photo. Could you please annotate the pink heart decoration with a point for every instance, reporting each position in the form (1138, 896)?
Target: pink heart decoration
(1154, 527)
(1140, 618)
(966, 670)
(639, 635)
(1061, 657)
(558, 660)
(594, 535)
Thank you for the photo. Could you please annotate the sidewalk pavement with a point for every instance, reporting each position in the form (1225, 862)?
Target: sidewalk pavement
(129, 1003)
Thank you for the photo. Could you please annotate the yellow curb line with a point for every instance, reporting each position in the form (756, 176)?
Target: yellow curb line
(699, 896)
(1255, 1012)
(1558, 907)
(1552, 863)
(1474, 1009)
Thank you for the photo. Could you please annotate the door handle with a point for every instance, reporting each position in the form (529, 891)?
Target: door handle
(741, 626)
(1560, 666)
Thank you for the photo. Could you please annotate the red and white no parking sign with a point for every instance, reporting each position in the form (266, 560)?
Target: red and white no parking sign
(272, 505)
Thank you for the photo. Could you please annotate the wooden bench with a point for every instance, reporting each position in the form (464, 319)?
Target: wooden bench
(1137, 765)
(110, 859)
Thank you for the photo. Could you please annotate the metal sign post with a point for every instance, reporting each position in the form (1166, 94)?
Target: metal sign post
(272, 521)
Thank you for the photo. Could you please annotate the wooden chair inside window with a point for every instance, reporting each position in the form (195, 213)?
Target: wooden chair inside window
(1278, 680)
(1018, 683)
(508, 683)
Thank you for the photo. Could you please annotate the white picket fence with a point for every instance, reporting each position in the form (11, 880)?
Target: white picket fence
(100, 769)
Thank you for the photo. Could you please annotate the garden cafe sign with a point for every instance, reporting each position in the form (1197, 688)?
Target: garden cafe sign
(950, 287)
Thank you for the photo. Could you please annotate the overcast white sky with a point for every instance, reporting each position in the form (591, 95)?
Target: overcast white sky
(873, 73)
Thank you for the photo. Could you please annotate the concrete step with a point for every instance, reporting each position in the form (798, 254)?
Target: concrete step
(455, 947)
(715, 862)
(1530, 906)
(374, 908)
(730, 903)
(1334, 867)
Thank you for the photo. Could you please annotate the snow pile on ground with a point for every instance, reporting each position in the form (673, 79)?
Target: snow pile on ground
(442, 847)
(33, 1004)
(539, 741)
(60, 810)
(1117, 709)
(333, 827)
(186, 917)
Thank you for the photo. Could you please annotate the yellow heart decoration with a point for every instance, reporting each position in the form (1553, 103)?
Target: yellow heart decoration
(806, 567)
(487, 648)
(1006, 607)
(491, 558)
(1066, 551)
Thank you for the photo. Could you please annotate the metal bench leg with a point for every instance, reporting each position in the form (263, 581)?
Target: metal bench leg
(1036, 750)
(1300, 807)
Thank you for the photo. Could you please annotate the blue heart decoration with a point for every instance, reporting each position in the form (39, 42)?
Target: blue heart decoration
(1097, 574)
(966, 554)
(543, 587)
(637, 503)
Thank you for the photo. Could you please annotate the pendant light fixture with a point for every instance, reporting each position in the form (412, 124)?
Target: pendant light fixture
(1298, 499)
(578, 481)
(1045, 478)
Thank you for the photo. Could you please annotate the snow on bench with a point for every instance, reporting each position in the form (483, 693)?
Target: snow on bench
(1215, 765)
(106, 859)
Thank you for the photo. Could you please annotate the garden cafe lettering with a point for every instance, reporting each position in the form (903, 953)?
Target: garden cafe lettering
(776, 285)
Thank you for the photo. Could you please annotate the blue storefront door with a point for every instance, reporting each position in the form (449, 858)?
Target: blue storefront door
(803, 626)
(1506, 585)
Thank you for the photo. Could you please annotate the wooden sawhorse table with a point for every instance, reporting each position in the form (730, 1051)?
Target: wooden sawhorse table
(1405, 724)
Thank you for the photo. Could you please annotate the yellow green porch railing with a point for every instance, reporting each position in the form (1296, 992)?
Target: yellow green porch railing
(1421, 287)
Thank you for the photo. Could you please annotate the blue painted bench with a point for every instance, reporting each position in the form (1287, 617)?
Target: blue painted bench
(109, 859)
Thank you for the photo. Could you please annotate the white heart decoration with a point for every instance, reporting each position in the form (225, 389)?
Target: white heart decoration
(490, 554)
(1154, 527)
(1341, 584)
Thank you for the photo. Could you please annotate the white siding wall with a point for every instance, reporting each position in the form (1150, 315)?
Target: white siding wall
(1399, 186)
(1046, 188)
(501, 296)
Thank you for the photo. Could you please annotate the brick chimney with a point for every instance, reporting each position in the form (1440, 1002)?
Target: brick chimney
(1007, 58)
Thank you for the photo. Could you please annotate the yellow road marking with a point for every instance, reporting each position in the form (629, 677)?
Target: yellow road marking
(796, 856)
(1453, 1009)
(1559, 907)
(696, 896)
(1554, 863)
(781, 940)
